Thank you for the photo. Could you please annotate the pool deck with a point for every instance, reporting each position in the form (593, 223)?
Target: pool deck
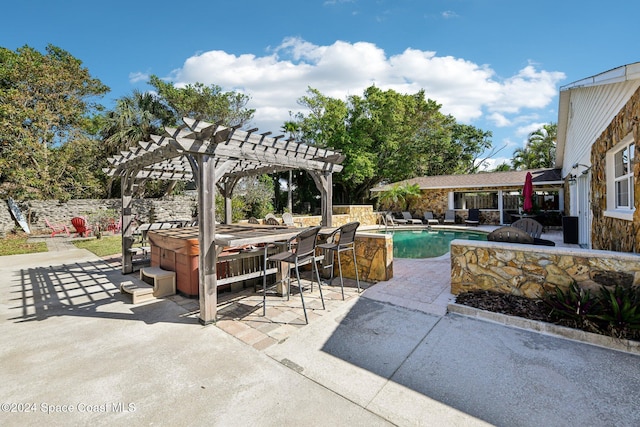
(78, 352)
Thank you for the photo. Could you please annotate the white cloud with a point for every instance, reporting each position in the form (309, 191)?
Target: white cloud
(138, 77)
(275, 81)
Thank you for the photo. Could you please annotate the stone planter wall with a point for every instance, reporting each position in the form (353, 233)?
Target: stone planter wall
(530, 270)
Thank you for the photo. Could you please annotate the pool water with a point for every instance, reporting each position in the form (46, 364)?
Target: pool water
(428, 243)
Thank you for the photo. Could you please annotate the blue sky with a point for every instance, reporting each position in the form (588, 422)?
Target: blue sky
(494, 64)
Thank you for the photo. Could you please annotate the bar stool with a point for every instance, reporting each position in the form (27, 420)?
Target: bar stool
(305, 253)
(346, 242)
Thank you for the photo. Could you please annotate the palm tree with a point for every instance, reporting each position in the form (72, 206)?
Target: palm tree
(135, 118)
(540, 151)
(398, 196)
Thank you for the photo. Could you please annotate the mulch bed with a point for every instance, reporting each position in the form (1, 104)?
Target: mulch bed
(532, 309)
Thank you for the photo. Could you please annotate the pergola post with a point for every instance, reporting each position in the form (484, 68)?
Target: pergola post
(206, 239)
(324, 183)
(126, 191)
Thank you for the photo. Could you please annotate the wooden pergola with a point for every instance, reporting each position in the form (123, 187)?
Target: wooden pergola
(215, 157)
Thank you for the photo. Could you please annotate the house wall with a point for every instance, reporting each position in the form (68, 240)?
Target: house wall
(591, 109)
(437, 201)
(611, 233)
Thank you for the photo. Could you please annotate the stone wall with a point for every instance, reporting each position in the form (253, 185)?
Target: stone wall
(147, 210)
(611, 233)
(530, 270)
(374, 253)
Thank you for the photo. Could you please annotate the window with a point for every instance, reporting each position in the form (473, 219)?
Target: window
(485, 200)
(620, 180)
(623, 177)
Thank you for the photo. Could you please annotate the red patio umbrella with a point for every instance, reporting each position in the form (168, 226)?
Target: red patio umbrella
(527, 193)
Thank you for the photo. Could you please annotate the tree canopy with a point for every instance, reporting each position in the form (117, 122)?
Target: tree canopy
(540, 150)
(387, 137)
(45, 102)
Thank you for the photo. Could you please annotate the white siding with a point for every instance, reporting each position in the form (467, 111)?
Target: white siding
(591, 109)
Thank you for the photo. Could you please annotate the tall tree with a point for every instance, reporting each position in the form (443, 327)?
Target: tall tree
(45, 100)
(209, 103)
(387, 136)
(540, 150)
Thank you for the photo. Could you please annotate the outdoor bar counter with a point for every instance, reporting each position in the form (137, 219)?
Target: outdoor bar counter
(177, 249)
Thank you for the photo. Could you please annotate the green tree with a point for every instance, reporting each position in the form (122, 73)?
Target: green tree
(398, 197)
(45, 102)
(208, 103)
(540, 150)
(387, 136)
(502, 167)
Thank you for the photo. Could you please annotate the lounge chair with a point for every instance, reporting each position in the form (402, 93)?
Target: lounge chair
(409, 219)
(473, 218)
(390, 220)
(529, 225)
(450, 217)
(429, 219)
(56, 228)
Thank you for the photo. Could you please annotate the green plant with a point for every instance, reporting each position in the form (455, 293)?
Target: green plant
(620, 307)
(576, 303)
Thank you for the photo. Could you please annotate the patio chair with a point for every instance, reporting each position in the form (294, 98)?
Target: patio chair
(305, 253)
(341, 240)
(287, 219)
(473, 218)
(512, 234)
(114, 226)
(56, 228)
(272, 221)
(253, 220)
(429, 219)
(411, 220)
(82, 227)
(529, 225)
(269, 215)
(449, 217)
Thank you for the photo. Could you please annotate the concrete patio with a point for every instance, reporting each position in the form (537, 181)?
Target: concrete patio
(392, 355)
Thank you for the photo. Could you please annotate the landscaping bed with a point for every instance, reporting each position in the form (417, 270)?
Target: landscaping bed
(540, 310)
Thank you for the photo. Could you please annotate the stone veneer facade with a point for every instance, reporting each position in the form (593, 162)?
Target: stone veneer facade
(611, 233)
(529, 270)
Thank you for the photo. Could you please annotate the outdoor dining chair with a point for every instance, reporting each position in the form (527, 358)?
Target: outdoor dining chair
(342, 240)
(303, 254)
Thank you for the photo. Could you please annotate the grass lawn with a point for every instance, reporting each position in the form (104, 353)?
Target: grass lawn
(108, 245)
(17, 244)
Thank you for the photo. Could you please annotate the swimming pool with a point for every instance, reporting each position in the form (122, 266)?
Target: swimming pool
(428, 243)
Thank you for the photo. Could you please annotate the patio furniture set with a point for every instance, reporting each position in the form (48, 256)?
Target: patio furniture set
(244, 252)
